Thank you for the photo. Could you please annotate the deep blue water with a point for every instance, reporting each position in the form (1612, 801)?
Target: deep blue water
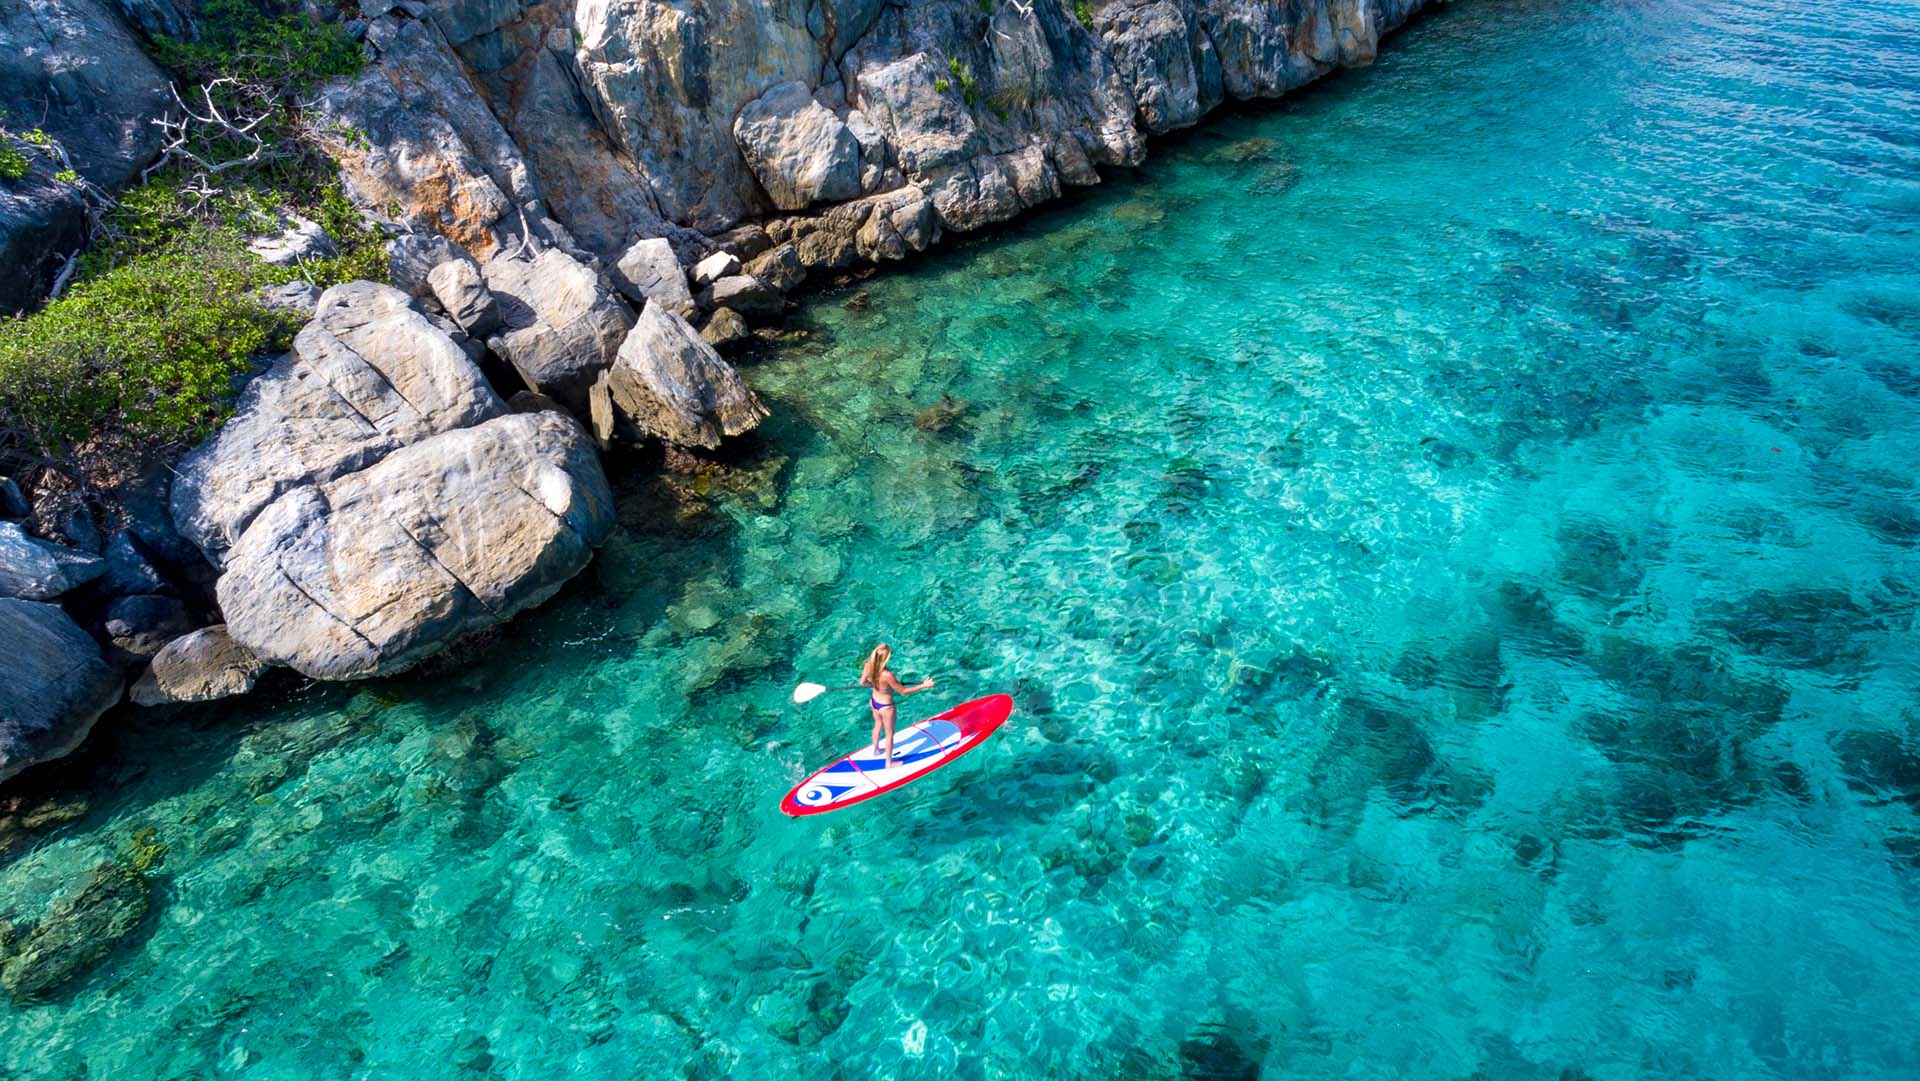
(1453, 539)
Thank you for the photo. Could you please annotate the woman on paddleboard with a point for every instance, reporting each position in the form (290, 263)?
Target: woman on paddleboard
(874, 674)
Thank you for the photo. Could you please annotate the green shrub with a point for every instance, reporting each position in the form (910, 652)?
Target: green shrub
(1084, 13)
(968, 88)
(162, 313)
(13, 164)
(261, 43)
(144, 355)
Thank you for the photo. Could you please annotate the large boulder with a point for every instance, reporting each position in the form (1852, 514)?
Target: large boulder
(371, 572)
(197, 667)
(368, 375)
(560, 323)
(672, 385)
(38, 571)
(798, 149)
(57, 685)
(69, 68)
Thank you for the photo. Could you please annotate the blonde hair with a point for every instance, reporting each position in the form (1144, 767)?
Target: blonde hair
(875, 664)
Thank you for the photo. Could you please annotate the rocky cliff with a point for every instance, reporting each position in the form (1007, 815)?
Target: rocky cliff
(841, 129)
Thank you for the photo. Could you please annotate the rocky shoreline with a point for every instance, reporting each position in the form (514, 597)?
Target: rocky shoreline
(587, 200)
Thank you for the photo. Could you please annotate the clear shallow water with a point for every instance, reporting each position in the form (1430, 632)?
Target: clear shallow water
(1452, 538)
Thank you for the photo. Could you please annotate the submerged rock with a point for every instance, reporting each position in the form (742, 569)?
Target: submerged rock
(36, 570)
(198, 667)
(368, 573)
(80, 930)
(57, 685)
(671, 385)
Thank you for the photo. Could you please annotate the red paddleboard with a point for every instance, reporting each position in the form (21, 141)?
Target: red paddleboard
(917, 751)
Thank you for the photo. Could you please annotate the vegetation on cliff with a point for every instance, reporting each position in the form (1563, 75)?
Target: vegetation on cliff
(163, 311)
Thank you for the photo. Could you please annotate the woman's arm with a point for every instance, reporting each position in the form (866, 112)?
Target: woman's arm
(915, 689)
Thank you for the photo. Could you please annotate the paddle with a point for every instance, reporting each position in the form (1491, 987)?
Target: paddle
(807, 692)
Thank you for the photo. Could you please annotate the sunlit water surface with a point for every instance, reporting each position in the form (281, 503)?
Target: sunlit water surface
(1452, 540)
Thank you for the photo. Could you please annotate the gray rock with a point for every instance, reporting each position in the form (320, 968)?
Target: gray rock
(715, 266)
(368, 375)
(77, 528)
(13, 504)
(1167, 57)
(725, 327)
(299, 240)
(156, 18)
(143, 502)
(414, 139)
(798, 149)
(412, 257)
(371, 572)
(744, 294)
(928, 128)
(33, 569)
(300, 298)
(560, 323)
(129, 571)
(778, 268)
(532, 401)
(140, 625)
(69, 68)
(197, 667)
(57, 685)
(672, 386)
(600, 412)
(745, 241)
(464, 296)
(649, 272)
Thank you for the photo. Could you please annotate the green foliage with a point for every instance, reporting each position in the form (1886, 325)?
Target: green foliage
(261, 43)
(162, 313)
(969, 90)
(13, 164)
(940, 86)
(143, 355)
(1084, 13)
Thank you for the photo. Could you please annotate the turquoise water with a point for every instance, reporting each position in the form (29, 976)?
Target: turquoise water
(1453, 540)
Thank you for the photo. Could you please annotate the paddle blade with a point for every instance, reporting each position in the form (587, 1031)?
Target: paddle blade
(807, 692)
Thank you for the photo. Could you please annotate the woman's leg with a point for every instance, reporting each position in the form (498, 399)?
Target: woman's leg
(874, 743)
(890, 716)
